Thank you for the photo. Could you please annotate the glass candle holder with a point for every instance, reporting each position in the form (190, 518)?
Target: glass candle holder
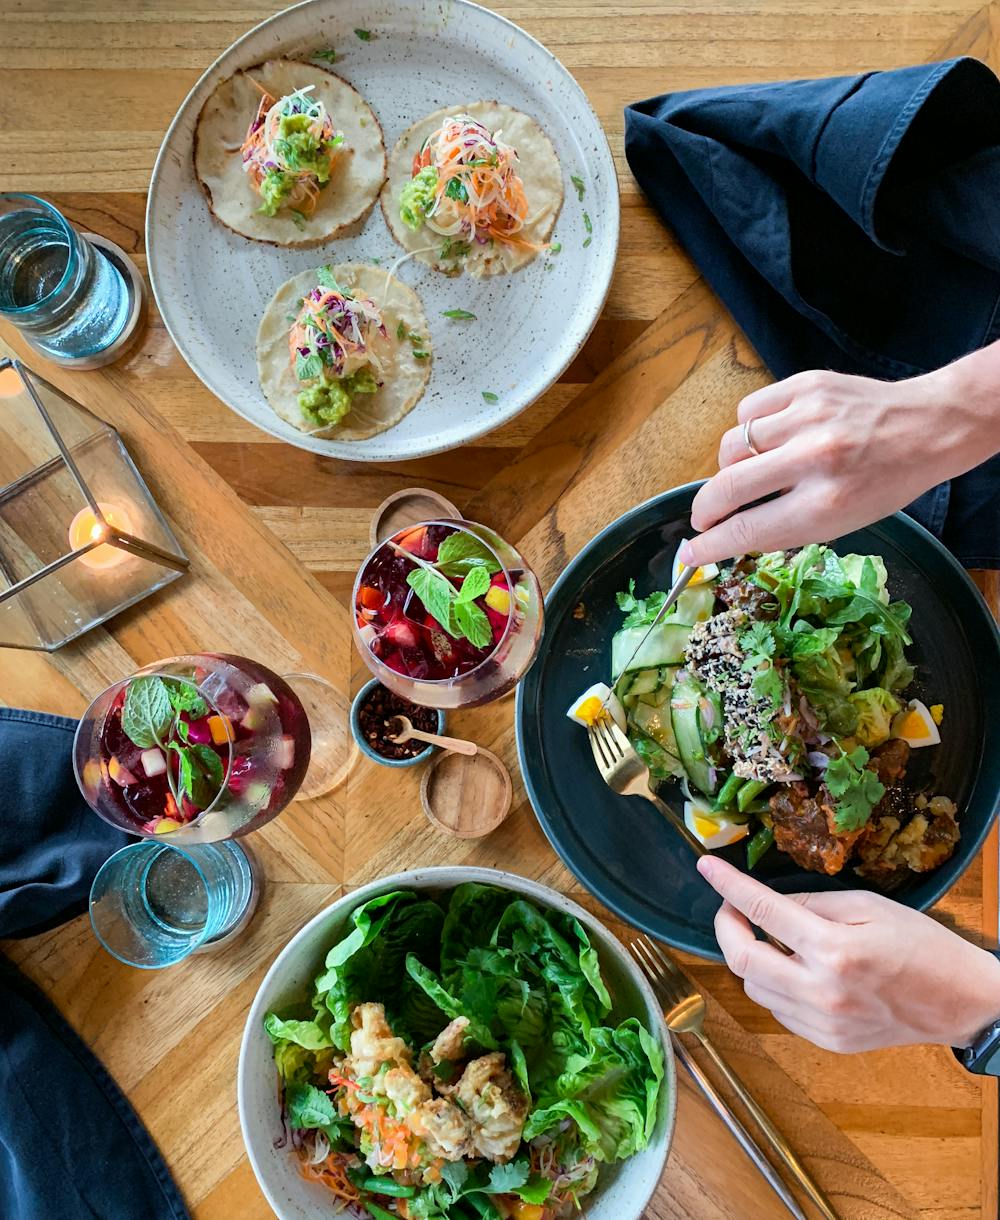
(152, 904)
(81, 537)
(70, 300)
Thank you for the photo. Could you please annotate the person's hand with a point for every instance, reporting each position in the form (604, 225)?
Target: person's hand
(865, 972)
(844, 451)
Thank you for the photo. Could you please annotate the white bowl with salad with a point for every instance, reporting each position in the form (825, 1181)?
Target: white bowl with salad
(456, 1043)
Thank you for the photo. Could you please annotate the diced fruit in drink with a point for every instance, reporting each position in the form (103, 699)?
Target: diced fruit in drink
(166, 826)
(286, 752)
(401, 634)
(153, 762)
(498, 599)
(221, 729)
(522, 595)
(121, 775)
(257, 793)
(199, 731)
(368, 633)
(91, 773)
(240, 773)
(170, 805)
(260, 692)
(415, 541)
(370, 599)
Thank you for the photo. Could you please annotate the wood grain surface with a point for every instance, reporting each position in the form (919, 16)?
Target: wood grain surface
(276, 536)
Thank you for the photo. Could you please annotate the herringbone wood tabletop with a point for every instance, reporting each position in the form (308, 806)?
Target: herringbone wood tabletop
(276, 535)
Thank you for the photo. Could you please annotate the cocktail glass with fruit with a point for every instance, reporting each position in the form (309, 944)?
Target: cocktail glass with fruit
(447, 614)
(198, 748)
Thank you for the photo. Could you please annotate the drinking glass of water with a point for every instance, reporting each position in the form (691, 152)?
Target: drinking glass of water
(69, 299)
(152, 905)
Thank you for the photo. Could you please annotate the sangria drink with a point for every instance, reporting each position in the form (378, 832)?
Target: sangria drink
(198, 748)
(447, 614)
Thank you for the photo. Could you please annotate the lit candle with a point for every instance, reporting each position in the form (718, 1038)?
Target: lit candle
(85, 528)
(10, 383)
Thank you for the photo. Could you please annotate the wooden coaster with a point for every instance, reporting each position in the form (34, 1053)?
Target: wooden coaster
(407, 507)
(467, 797)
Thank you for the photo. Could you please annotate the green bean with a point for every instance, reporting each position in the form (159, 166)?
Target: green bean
(388, 1186)
(729, 791)
(752, 788)
(758, 845)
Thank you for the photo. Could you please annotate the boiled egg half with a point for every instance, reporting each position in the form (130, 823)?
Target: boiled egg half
(711, 828)
(915, 725)
(597, 703)
(701, 575)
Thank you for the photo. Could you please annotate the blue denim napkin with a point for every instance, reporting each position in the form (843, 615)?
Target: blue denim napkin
(71, 1146)
(850, 224)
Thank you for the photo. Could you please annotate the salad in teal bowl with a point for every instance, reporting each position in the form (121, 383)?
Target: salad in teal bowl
(823, 716)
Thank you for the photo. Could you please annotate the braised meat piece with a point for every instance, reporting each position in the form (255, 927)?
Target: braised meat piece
(905, 836)
(889, 761)
(804, 829)
(741, 594)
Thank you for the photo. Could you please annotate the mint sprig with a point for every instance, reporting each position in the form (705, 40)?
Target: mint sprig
(460, 557)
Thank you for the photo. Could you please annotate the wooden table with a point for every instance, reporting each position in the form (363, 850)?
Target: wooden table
(276, 535)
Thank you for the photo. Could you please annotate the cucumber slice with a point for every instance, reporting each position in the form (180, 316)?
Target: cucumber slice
(645, 681)
(694, 605)
(664, 646)
(685, 720)
(656, 723)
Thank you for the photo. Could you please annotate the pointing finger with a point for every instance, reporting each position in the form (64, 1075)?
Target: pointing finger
(776, 913)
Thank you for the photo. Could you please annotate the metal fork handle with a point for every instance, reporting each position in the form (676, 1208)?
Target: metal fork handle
(777, 1141)
(737, 1129)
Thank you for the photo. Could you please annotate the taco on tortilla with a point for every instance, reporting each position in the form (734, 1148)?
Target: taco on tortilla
(474, 187)
(288, 153)
(343, 351)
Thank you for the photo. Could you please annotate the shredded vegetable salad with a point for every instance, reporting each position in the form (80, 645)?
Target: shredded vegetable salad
(289, 150)
(333, 347)
(466, 187)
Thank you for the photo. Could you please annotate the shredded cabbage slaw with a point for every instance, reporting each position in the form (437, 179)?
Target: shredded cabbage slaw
(266, 153)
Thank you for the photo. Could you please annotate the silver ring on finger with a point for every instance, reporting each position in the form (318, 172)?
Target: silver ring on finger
(748, 439)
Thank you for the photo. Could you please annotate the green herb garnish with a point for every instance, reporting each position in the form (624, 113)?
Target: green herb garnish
(325, 278)
(454, 249)
(489, 396)
(857, 789)
(459, 315)
(297, 218)
(364, 35)
(420, 355)
(460, 557)
(329, 54)
(578, 183)
(555, 247)
(401, 331)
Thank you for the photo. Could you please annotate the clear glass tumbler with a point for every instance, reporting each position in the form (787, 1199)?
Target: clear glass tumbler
(67, 298)
(152, 905)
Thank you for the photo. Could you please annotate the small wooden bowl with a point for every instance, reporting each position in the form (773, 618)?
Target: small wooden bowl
(407, 507)
(466, 797)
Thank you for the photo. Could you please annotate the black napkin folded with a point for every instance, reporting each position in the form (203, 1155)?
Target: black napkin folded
(71, 1146)
(849, 224)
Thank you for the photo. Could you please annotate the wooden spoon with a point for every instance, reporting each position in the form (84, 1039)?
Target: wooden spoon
(408, 733)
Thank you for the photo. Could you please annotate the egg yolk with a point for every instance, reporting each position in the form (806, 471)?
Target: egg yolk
(913, 726)
(590, 710)
(937, 712)
(704, 826)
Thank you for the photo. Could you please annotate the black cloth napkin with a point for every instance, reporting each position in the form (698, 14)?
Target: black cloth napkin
(849, 224)
(71, 1146)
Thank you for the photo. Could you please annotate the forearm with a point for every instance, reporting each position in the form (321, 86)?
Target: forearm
(966, 399)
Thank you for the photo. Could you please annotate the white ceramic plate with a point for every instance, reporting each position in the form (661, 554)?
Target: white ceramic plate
(212, 286)
(622, 1190)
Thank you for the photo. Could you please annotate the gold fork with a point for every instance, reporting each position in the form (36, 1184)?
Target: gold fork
(625, 773)
(684, 1012)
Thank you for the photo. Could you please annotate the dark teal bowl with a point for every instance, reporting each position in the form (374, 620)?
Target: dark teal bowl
(620, 848)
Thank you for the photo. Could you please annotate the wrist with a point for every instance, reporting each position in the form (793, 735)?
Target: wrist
(982, 1006)
(965, 400)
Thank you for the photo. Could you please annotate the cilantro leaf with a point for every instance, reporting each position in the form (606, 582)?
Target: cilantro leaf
(489, 396)
(325, 278)
(857, 789)
(505, 1179)
(758, 640)
(456, 190)
(308, 367)
(364, 35)
(767, 685)
(639, 610)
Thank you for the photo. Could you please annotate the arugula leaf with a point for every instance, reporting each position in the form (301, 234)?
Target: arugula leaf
(308, 367)
(326, 279)
(438, 595)
(473, 624)
(857, 789)
(475, 584)
(184, 697)
(147, 712)
(578, 183)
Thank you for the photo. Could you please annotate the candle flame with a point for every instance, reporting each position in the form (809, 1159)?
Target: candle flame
(86, 529)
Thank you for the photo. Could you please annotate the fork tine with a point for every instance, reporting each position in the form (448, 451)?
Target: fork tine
(655, 971)
(604, 763)
(668, 963)
(607, 740)
(618, 737)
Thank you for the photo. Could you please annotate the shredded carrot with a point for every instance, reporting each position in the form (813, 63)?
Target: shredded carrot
(259, 152)
(332, 1172)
